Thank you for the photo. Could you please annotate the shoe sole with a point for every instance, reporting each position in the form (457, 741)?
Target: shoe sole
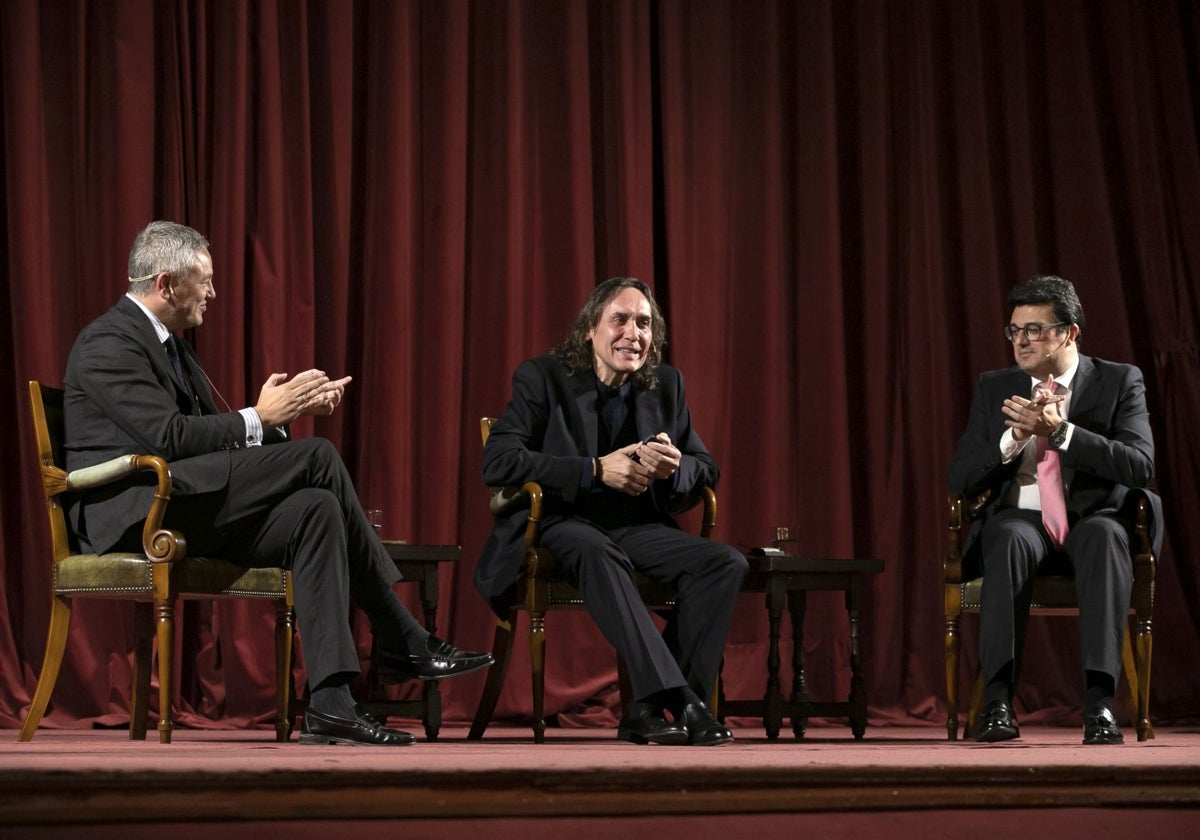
(715, 743)
(398, 677)
(996, 736)
(311, 740)
(1094, 742)
(673, 739)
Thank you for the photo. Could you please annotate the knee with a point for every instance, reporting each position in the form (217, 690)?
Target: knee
(596, 555)
(1100, 532)
(735, 564)
(318, 507)
(727, 563)
(317, 452)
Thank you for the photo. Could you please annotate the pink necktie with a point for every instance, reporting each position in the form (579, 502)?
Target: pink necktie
(1050, 485)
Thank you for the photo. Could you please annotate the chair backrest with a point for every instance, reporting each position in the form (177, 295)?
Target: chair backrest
(46, 405)
(485, 426)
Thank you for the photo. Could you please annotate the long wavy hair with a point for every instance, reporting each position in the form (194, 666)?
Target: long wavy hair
(576, 349)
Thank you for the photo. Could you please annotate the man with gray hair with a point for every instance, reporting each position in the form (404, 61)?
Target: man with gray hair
(242, 486)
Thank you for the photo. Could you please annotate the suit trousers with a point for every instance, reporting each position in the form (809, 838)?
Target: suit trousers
(293, 506)
(707, 576)
(1014, 545)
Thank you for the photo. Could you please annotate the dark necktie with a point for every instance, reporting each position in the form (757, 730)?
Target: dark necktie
(176, 363)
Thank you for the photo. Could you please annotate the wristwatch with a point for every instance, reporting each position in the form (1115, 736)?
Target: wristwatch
(1059, 436)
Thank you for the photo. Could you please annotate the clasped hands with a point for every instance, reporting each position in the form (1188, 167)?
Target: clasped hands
(282, 400)
(632, 469)
(1034, 417)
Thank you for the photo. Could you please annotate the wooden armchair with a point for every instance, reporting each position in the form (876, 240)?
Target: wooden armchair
(1052, 595)
(154, 579)
(539, 590)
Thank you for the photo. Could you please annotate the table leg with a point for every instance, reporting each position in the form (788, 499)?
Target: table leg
(430, 692)
(773, 701)
(858, 692)
(798, 607)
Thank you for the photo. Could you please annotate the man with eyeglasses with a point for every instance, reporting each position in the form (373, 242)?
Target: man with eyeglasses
(1058, 442)
(242, 487)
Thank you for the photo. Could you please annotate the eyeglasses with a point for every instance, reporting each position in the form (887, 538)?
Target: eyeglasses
(1033, 332)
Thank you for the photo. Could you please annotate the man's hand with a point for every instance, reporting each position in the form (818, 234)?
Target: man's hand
(327, 398)
(1038, 416)
(659, 456)
(620, 472)
(282, 400)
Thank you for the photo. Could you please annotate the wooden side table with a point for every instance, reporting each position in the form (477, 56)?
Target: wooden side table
(783, 577)
(418, 564)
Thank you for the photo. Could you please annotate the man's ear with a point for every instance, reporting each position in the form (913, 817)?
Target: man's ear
(162, 285)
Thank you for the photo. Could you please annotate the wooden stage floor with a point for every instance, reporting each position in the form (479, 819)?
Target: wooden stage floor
(68, 779)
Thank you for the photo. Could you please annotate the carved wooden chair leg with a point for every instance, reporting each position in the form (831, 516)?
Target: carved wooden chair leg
(537, 661)
(143, 645)
(1145, 644)
(952, 656)
(502, 644)
(284, 623)
(56, 644)
(165, 615)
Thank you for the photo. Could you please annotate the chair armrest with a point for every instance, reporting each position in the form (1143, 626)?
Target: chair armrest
(683, 502)
(102, 474)
(956, 520)
(159, 544)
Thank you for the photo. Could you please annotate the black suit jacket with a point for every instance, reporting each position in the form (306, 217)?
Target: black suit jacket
(549, 434)
(1111, 451)
(122, 399)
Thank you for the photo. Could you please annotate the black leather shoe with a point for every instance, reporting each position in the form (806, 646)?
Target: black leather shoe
(703, 729)
(1100, 727)
(440, 660)
(363, 731)
(646, 726)
(363, 714)
(996, 723)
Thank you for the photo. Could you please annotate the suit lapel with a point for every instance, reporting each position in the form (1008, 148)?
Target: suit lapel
(583, 387)
(1087, 388)
(144, 332)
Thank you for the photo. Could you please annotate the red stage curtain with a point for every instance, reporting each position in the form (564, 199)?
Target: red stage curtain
(831, 200)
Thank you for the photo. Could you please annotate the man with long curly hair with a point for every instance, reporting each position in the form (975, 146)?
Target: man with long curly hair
(605, 429)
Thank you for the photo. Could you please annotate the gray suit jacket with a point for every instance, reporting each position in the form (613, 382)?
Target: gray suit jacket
(1110, 455)
(549, 434)
(122, 399)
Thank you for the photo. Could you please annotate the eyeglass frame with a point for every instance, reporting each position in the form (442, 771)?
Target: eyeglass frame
(1012, 330)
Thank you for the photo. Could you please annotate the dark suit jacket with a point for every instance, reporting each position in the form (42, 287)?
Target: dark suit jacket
(122, 399)
(548, 434)
(1111, 451)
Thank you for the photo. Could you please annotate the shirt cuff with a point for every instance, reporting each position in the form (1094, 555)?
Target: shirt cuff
(1010, 447)
(254, 426)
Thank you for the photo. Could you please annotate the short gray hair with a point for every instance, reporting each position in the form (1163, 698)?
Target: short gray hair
(162, 246)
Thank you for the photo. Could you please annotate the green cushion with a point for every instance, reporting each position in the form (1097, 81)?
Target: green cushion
(130, 574)
(1049, 592)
